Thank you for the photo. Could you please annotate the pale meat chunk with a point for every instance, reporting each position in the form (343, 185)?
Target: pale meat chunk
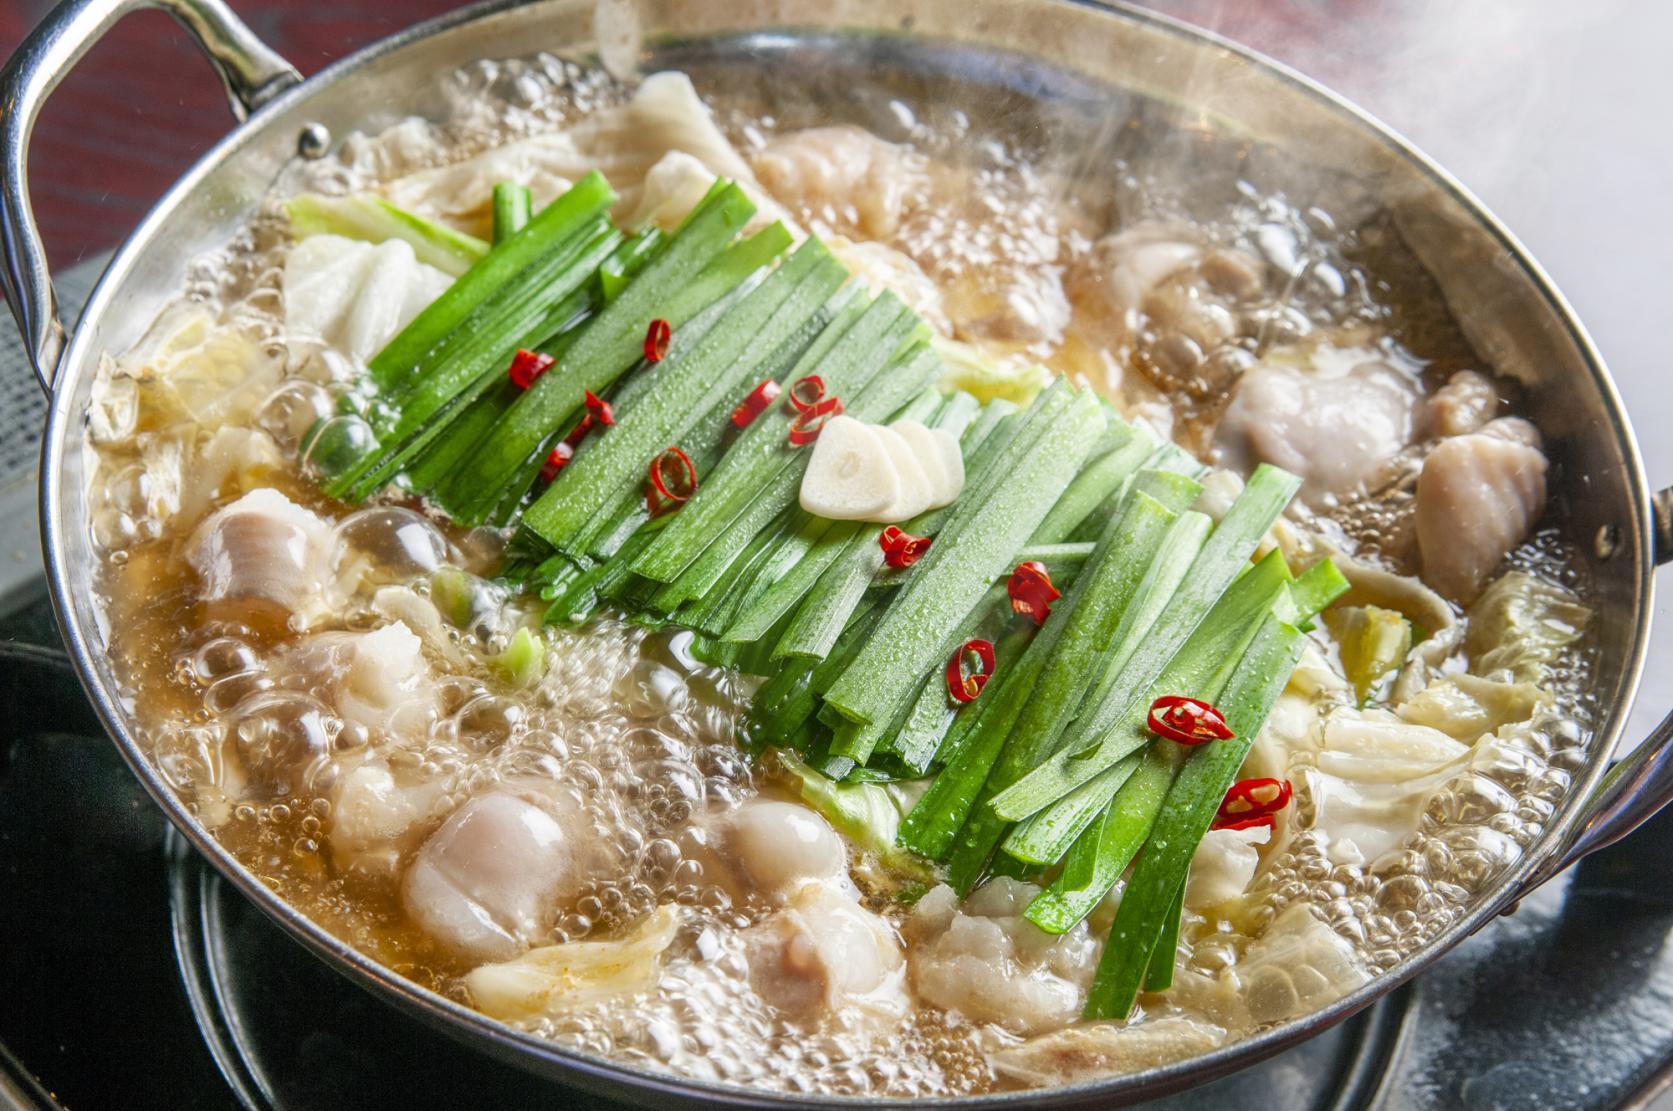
(1477, 498)
(988, 963)
(841, 177)
(1335, 431)
(824, 954)
(485, 883)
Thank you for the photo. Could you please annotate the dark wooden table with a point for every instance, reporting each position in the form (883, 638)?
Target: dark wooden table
(1555, 112)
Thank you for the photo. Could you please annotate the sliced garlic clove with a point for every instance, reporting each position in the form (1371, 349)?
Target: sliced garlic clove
(938, 453)
(952, 458)
(917, 493)
(922, 442)
(851, 475)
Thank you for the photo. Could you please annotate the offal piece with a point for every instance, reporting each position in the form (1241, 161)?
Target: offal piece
(1477, 497)
(484, 883)
(990, 964)
(824, 954)
(263, 556)
(1335, 431)
(842, 177)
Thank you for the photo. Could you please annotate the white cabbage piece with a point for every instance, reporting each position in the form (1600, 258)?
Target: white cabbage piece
(378, 679)
(376, 815)
(1105, 1049)
(403, 604)
(623, 143)
(1334, 429)
(1372, 778)
(867, 814)
(190, 369)
(1522, 624)
(1223, 867)
(266, 554)
(235, 461)
(841, 177)
(825, 954)
(673, 187)
(1298, 965)
(1477, 497)
(987, 376)
(555, 978)
(1296, 724)
(990, 964)
(1467, 707)
(485, 882)
(355, 296)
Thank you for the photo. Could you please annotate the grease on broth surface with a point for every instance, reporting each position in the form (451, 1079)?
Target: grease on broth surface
(334, 766)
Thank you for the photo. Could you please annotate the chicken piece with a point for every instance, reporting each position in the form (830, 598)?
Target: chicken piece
(1334, 430)
(265, 558)
(842, 177)
(777, 847)
(1477, 497)
(378, 680)
(990, 964)
(375, 817)
(485, 883)
(1467, 401)
(826, 954)
(1105, 1049)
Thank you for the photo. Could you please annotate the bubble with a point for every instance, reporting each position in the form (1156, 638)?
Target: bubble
(332, 446)
(400, 543)
(292, 409)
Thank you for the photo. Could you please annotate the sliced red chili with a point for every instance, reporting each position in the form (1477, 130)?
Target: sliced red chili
(673, 480)
(807, 392)
(656, 340)
(598, 407)
(557, 460)
(1252, 802)
(969, 670)
(1257, 822)
(756, 403)
(902, 549)
(1188, 721)
(811, 421)
(526, 366)
(1032, 592)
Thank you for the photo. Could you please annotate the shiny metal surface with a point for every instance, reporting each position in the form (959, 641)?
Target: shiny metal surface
(1049, 50)
(252, 73)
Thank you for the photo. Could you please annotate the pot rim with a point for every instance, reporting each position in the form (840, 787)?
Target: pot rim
(527, 1050)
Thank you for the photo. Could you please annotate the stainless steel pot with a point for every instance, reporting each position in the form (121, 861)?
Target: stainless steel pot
(1043, 50)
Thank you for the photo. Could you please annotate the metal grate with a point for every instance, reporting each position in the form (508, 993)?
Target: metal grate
(22, 404)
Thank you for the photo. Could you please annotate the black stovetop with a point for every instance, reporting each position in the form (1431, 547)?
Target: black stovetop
(132, 978)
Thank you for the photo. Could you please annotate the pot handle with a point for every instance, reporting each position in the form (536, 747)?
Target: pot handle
(252, 73)
(1636, 786)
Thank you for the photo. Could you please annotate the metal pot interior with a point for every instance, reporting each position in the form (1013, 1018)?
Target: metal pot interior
(1056, 71)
